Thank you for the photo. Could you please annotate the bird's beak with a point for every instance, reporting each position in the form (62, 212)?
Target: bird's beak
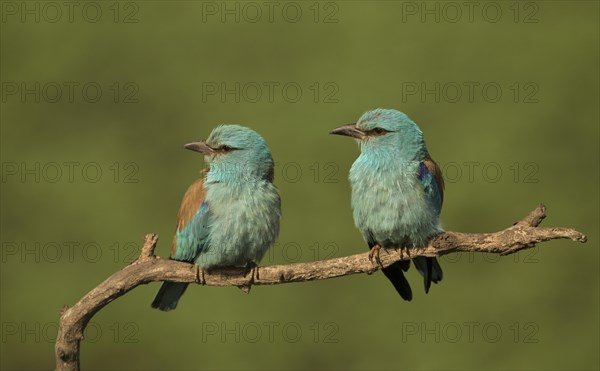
(201, 147)
(350, 131)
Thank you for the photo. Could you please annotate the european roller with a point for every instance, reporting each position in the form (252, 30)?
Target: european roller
(397, 192)
(231, 215)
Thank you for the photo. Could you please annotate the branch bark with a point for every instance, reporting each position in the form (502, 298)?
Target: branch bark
(149, 268)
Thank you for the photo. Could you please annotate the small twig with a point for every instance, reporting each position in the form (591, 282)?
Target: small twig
(149, 268)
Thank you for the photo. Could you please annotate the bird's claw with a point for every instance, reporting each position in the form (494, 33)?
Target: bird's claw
(404, 252)
(374, 253)
(200, 276)
(252, 270)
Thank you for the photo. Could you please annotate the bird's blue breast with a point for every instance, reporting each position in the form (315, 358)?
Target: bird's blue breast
(244, 222)
(390, 203)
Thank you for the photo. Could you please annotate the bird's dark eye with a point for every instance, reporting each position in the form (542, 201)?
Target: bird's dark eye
(226, 148)
(378, 131)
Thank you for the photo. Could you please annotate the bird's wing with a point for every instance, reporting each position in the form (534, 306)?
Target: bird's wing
(430, 176)
(193, 224)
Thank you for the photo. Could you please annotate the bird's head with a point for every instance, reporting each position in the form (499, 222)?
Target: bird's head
(387, 131)
(235, 152)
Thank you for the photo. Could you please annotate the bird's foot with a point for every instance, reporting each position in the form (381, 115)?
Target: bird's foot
(374, 253)
(252, 270)
(200, 279)
(404, 251)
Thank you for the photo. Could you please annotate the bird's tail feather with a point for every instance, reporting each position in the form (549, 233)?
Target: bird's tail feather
(395, 274)
(169, 294)
(437, 271)
(430, 269)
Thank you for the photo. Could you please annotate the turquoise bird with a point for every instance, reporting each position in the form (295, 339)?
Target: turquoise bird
(397, 192)
(231, 216)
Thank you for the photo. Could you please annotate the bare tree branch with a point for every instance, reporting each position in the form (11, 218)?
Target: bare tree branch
(149, 268)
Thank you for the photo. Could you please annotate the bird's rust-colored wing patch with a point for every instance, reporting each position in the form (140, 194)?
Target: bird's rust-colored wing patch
(434, 169)
(192, 199)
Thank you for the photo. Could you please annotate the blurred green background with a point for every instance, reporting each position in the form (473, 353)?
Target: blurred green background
(98, 99)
